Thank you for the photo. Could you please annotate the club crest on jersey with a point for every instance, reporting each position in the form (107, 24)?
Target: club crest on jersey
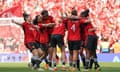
(31, 28)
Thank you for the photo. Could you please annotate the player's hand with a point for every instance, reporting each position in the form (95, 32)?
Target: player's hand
(13, 21)
(17, 23)
(51, 24)
(36, 26)
(65, 46)
(74, 17)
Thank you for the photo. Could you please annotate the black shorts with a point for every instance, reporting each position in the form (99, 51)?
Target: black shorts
(31, 46)
(83, 44)
(57, 40)
(92, 42)
(74, 45)
(37, 44)
(43, 47)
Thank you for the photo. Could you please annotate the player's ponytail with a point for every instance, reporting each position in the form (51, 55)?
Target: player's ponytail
(35, 21)
(74, 12)
(85, 13)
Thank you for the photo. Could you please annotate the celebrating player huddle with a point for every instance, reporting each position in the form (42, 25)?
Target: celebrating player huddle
(43, 34)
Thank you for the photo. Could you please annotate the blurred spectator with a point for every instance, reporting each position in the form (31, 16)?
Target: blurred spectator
(105, 14)
(116, 47)
(105, 46)
(9, 44)
(1, 45)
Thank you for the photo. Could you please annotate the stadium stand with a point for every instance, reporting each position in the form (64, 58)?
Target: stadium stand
(105, 14)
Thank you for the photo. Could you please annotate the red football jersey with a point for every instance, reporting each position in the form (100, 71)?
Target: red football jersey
(82, 31)
(48, 20)
(82, 28)
(37, 36)
(29, 32)
(43, 34)
(73, 30)
(87, 32)
(59, 29)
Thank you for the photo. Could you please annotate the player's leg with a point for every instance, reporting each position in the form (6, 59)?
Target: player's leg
(78, 60)
(54, 50)
(60, 43)
(95, 61)
(50, 53)
(50, 56)
(83, 56)
(57, 59)
(43, 49)
(46, 58)
(82, 50)
(87, 60)
(88, 53)
(78, 63)
(92, 51)
(91, 62)
(63, 58)
(54, 58)
(70, 58)
(35, 58)
(41, 54)
(76, 48)
(96, 64)
(70, 45)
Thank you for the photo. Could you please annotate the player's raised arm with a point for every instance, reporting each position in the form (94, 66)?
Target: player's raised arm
(44, 25)
(93, 29)
(74, 17)
(50, 24)
(87, 20)
(17, 23)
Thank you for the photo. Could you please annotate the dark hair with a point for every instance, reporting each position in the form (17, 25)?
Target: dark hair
(25, 16)
(44, 13)
(85, 13)
(35, 21)
(74, 12)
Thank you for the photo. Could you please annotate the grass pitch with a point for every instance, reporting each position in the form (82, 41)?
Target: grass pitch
(22, 67)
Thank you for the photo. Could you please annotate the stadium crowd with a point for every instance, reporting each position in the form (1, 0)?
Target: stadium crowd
(98, 22)
(103, 13)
